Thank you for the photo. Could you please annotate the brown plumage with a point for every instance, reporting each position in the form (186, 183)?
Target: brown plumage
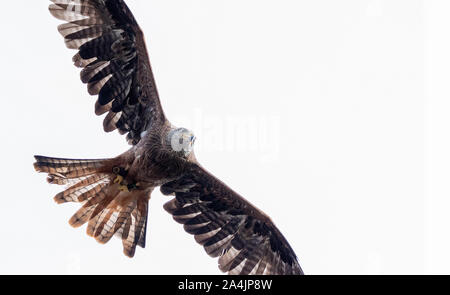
(114, 193)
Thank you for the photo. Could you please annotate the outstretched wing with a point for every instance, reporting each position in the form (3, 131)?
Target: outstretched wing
(228, 226)
(116, 67)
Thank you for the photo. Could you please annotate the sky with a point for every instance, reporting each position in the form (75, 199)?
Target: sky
(330, 116)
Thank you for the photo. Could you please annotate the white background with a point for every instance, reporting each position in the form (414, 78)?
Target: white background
(342, 137)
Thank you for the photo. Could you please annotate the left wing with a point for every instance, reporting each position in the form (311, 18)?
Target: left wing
(116, 66)
(228, 226)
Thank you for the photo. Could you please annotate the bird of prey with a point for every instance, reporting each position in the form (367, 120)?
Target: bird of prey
(114, 193)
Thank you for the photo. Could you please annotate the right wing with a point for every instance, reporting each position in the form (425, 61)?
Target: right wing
(116, 66)
(228, 226)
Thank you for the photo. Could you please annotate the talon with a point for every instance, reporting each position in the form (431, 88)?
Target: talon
(123, 188)
(118, 179)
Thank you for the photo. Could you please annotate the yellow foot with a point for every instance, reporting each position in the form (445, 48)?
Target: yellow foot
(123, 188)
(118, 179)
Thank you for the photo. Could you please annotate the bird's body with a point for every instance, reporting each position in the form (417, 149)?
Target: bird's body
(147, 160)
(115, 192)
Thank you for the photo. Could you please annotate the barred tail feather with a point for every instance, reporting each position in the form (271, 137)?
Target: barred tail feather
(84, 189)
(105, 208)
(65, 171)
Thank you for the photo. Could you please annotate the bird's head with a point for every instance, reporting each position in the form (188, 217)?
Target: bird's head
(182, 140)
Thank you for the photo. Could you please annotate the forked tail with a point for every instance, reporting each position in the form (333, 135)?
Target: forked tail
(106, 207)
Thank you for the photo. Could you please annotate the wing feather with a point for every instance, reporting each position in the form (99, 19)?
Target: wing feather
(116, 67)
(229, 227)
